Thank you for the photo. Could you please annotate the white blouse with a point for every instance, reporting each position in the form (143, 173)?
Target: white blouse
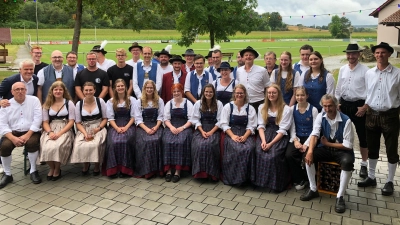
(330, 82)
(226, 113)
(96, 111)
(220, 87)
(167, 109)
(285, 123)
(293, 134)
(63, 112)
(110, 108)
(138, 111)
(196, 116)
(284, 75)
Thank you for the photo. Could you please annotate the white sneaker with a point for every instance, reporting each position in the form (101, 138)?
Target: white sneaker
(1, 168)
(301, 185)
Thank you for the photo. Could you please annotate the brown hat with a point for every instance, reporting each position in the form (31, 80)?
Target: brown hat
(135, 45)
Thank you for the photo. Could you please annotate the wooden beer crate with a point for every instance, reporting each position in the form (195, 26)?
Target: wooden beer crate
(328, 177)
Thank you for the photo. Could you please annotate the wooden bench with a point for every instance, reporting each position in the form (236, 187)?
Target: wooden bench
(328, 177)
(228, 54)
(4, 53)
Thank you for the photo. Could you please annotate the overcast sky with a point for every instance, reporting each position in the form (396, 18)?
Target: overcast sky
(297, 8)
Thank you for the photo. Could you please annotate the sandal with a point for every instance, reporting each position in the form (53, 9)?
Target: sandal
(168, 177)
(176, 178)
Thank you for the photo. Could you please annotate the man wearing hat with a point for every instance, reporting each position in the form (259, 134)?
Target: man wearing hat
(209, 59)
(102, 62)
(255, 78)
(197, 79)
(146, 70)
(189, 57)
(382, 106)
(136, 50)
(163, 67)
(176, 76)
(351, 92)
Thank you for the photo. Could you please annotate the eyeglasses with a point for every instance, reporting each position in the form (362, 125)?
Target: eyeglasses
(71, 57)
(20, 89)
(57, 57)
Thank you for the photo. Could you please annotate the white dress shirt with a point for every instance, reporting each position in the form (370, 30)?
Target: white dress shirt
(75, 69)
(40, 75)
(110, 108)
(348, 135)
(167, 108)
(132, 63)
(226, 115)
(21, 117)
(256, 80)
(351, 83)
(199, 77)
(138, 111)
(136, 88)
(330, 82)
(383, 88)
(293, 134)
(106, 64)
(284, 76)
(302, 67)
(196, 116)
(284, 124)
(30, 89)
(160, 72)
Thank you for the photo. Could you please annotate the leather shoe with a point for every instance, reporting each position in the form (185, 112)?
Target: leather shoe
(308, 195)
(340, 206)
(56, 177)
(6, 180)
(388, 189)
(368, 182)
(176, 178)
(36, 178)
(363, 172)
(168, 177)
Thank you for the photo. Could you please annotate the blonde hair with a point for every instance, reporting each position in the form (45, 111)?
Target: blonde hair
(50, 97)
(155, 96)
(115, 99)
(241, 86)
(120, 50)
(289, 77)
(267, 104)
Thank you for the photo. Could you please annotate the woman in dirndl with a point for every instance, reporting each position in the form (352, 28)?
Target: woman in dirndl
(274, 119)
(238, 121)
(58, 121)
(90, 140)
(149, 114)
(118, 160)
(224, 85)
(177, 137)
(206, 139)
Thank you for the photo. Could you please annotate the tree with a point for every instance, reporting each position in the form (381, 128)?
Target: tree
(339, 27)
(218, 18)
(9, 10)
(275, 20)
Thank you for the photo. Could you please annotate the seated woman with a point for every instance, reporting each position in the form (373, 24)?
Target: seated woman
(224, 85)
(274, 120)
(58, 137)
(90, 140)
(121, 134)
(304, 115)
(206, 139)
(149, 114)
(177, 137)
(238, 120)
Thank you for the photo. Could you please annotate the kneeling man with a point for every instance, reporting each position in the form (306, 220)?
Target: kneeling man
(336, 145)
(20, 126)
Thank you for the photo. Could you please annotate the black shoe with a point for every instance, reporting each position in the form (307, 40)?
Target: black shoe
(49, 177)
(388, 189)
(6, 180)
(96, 173)
(168, 177)
(176, 178)
(36, 178)
(309, 194)
(57, 177)
(86, 172)
(368, 182)
(340, 206)
(363, 172)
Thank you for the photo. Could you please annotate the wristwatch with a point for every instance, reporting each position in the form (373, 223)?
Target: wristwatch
(49, 132)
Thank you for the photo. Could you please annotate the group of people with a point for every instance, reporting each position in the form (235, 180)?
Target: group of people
(267, 126)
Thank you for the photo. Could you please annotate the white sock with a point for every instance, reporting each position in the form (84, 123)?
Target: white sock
(364, 163)
(392, 171)
(344, 181)
(7, 164)
(32, 159)
(372, 166)
(311, 176)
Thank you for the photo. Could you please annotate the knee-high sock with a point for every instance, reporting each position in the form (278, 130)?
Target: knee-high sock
(344, 181)
(311, 176)
(32, 159)
(372, 166)
(7, 164)
(392, 171)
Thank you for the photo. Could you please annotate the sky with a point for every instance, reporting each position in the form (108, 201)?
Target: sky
(308, 8)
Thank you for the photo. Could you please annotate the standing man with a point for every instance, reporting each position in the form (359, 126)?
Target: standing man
(56, 71)
(72, 59)
(303, 65)
(336, 145)
(120, 71)
(189, 57)
(36, 53)
(270, 62)
(163, 67)
(93, 74)
(176, 76)
(216, 57)
(255, 78)
(240, 63)
(136, 50)
(351, 91)
(197, 79)
(382, 105)
(20, 127)
(102, 62)
(144, 71)
(209, 59)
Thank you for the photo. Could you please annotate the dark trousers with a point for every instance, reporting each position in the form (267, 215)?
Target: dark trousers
(345, 158)
(388, 124)
(350, 109)
(294, 159)
(256, 105)
(32, 145)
